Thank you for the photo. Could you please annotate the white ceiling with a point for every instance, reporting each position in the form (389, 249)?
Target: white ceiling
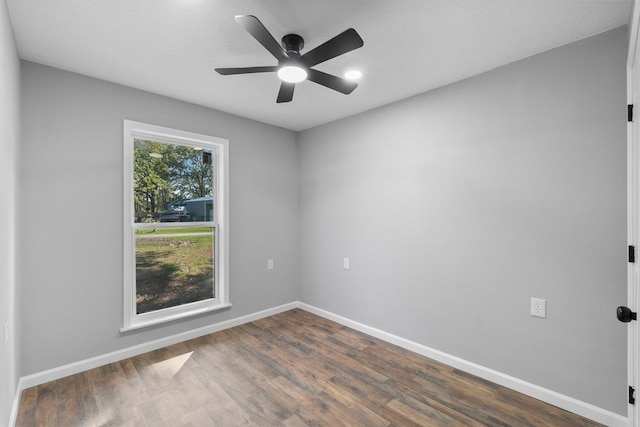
(171, 47)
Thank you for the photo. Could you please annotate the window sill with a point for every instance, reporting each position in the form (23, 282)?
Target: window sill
(143, 322)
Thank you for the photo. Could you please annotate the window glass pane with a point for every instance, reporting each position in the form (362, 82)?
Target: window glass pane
(176, 244)
(172, 183)
(174, 266)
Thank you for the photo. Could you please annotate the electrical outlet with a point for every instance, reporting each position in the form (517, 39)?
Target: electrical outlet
(539, 307)
(346, 264)
(6, 334)
(269, 264)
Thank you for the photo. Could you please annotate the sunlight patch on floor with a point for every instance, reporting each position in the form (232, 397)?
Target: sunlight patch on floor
(170, 367)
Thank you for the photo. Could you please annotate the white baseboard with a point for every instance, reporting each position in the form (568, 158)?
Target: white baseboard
(13, 416)
(570, 404)
(565, 402)
(115, 356)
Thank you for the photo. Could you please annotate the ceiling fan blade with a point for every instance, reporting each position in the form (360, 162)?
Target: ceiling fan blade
(286, 92)
(332, 82)
(262, 35)
(342, 43)
(246, 70)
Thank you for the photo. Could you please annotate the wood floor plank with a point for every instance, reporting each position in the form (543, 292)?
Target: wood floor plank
(292, 369)
(376, 397)
(221, 407)
(28, 405)
(429, 417)
(67, 402)
(45, 405)
(294, 421)
(239, 380)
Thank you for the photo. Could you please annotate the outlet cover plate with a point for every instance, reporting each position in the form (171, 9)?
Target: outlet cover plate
(539, 307)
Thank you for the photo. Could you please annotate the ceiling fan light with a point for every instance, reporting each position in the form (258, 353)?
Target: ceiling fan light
(292, 74)
(353, 75)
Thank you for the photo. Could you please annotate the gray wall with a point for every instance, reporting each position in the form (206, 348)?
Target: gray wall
(9, 148)
(459, 205)
(455, 208)
(71, 190)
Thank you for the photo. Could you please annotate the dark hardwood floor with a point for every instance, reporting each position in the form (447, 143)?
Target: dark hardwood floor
(291, 369)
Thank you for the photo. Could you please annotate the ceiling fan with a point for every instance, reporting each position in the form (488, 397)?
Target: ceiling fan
(293, 67)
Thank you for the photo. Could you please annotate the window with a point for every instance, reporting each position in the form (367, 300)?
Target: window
(176, 236)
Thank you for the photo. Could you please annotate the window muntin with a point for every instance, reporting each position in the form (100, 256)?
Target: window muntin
(176, 244)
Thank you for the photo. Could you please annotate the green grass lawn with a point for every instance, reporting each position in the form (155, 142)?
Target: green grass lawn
(172, 230)
(173, 270)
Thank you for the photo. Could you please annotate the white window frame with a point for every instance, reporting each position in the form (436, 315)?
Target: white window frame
(136, 130)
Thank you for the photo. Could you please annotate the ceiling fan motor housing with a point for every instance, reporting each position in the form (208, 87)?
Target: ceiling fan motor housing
(292, 44)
